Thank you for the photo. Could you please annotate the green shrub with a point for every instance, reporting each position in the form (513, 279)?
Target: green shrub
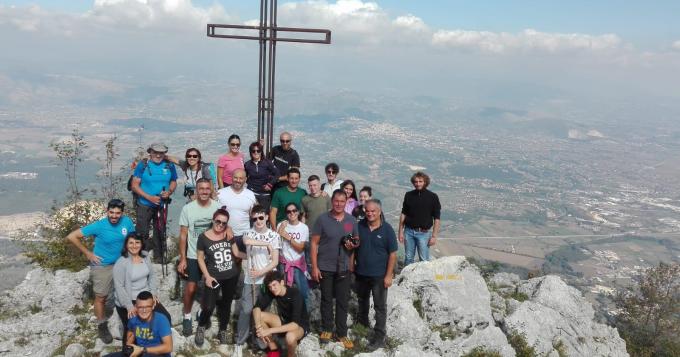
(521, 346)
(480, 351)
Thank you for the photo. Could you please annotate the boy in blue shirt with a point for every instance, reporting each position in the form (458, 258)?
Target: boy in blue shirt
(109, 235)
(154, 179)
(149, 332)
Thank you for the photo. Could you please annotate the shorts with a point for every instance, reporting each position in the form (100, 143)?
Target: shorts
(193, 270)
(102, 279)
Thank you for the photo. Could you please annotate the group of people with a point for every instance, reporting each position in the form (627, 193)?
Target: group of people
(248, 231)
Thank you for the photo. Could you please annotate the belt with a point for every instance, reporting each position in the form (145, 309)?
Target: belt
(419, 229)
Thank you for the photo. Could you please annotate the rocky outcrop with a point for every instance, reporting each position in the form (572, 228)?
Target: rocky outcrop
(438, 308)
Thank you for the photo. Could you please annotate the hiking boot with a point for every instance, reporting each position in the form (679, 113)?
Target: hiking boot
(325, 337)
(222, 335)
(186, 327)
(346, 342)
(376, 343)
(104, 333)
(200, 336)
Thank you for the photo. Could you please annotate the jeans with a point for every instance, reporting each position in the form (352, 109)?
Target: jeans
(245, 312)
(365, 286)
(416, 240)
(300, 281)
(334, 285)
(210, 300)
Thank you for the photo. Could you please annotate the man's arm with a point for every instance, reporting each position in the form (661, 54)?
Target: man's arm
(164, 347)
(75, 237)
(220, 172)
(389, 274)
(237, 252)
(183, 234)
(313, 252)
(272, 216)
(435, 232)
(402, 219)
(136, 181)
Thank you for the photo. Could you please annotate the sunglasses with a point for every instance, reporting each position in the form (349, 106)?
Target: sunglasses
(235, 144)
(218, 222)
(255, 151)
(258, 218)
(192, 156)
(285, 141)
(291, 211)
(331, 172)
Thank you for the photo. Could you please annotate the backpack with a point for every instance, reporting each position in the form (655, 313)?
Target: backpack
(145, 162)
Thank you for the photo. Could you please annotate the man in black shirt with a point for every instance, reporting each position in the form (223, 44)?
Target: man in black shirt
(292, 320)
(419, 220)
(284, 157)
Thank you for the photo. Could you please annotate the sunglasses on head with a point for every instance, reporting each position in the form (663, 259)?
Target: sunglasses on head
(116, 203)
(258, 218)
(219, 222)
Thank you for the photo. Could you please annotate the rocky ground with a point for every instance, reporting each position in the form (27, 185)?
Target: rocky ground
(439, 308)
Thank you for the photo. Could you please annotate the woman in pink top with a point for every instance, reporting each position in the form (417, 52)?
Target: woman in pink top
(229, 162)
(351, 191)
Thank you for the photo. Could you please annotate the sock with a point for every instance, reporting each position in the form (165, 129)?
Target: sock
(99, 322)
(187, 316)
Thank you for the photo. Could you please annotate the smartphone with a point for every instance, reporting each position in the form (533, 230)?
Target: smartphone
(215, 284)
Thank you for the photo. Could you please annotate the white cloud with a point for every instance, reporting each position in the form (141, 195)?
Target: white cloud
(525, 41)
(676, 45)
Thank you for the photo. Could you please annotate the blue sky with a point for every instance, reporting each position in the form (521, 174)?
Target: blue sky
(646, 23)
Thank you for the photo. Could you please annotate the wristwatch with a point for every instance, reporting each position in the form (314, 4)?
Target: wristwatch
(144, 351)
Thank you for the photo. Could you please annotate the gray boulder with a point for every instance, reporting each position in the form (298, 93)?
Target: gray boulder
(557, 316)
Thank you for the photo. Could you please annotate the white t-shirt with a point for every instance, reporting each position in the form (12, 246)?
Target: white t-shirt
(329, 189)
(238, 206)
(300, 234)
(259, 255)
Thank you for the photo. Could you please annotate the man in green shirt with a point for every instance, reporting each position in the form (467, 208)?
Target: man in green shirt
(283, 196)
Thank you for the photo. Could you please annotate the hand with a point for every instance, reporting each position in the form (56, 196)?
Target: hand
(182, 266)
(324, 194)
(351, 266)
(387, 282)
(95, 260)
(209, 280)
(254, 273)
(165, 195)
(262, 332)
(137, 351)
(156, 300)
(270, 249)
(155, 200)
(316, 274)
(267, 187)
(132, 312)
(432, 241)
(401, 237)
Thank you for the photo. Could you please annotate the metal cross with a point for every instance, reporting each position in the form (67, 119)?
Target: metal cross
(268, 37)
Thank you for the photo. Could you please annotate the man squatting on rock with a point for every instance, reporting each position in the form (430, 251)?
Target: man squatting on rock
(149, 332)
(109, 236)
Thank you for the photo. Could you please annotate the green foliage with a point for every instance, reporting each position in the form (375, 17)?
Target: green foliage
(445, 332)
(519, 296)
(480, 351)
(650, 313)
(35, 308)
(418, 305)
(558, 262)
(521, 346)
(561, 348)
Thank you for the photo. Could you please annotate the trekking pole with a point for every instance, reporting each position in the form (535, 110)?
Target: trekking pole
(162, 222)
(251, 266)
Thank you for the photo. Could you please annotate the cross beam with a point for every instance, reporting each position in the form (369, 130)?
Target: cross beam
(268, 36)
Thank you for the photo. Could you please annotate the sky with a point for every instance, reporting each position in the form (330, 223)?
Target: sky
(602, 48)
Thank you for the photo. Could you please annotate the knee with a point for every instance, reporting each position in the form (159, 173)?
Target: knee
(291, 340)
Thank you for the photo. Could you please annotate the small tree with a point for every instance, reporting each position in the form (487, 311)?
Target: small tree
(70, 153)
(650, 313)
(110, 181)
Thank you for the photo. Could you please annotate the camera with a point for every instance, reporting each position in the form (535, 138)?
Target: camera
(349, 238)
(127, 350)
(188, 191)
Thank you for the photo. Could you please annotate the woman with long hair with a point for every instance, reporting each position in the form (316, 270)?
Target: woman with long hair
(351, 191)
(294, 235)
(132, 274)
(194, 168)
(365, 194)
(230, 162)
(261, 175)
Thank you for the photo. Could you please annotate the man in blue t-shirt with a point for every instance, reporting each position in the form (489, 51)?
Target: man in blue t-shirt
(149, 332)
(374, 263)
(109, 235)
(154, 179)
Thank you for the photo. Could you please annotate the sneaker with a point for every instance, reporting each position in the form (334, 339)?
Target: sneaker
(275, 353)
(238, 351)
(200, 336)
(186, 327)
(104, 333)
(222, 335)
(376, 343)
(346, 342)
(325, 337)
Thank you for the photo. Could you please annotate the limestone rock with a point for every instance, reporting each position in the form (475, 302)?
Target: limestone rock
(75, 350)
(557, 314)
